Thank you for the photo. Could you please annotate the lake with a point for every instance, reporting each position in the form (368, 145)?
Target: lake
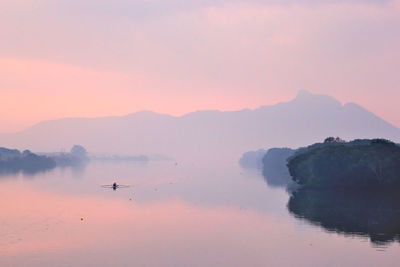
(186, 214)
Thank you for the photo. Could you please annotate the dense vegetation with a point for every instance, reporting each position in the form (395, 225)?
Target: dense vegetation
(345, 187)
(372, 214)
(13, 161)
(359, 164)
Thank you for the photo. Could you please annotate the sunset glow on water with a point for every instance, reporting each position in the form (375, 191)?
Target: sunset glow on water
(163, 219)
(199, 133)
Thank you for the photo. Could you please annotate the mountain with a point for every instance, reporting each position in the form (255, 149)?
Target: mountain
(306, 119)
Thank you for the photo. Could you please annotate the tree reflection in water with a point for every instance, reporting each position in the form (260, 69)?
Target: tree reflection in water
(375, 215)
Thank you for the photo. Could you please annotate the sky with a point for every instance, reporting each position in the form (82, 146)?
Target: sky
(91, 58)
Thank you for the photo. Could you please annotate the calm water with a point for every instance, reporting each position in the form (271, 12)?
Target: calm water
(190, 214)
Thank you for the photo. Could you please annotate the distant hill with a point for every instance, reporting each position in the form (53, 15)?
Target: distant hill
(252, 159)
(274, 167)
(306, 119)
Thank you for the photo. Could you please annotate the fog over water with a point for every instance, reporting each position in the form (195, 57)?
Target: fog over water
(306, 119)
(195, 213)
(158, 133)
(199, 208)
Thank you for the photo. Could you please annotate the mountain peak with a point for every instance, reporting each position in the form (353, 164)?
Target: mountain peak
(306, 119)
(308, 98)
(303, 93)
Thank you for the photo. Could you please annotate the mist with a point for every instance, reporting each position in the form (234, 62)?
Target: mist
(211, 134)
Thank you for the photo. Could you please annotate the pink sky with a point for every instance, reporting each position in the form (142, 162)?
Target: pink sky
(99, 58)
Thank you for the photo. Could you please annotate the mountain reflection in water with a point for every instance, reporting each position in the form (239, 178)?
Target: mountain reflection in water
(375, 215)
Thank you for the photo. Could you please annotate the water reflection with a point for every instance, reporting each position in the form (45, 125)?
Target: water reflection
(193, 214)
(77, 170)
(375, 215)
(27, 172)
(36, 171)
(98, 231)
(278, 178)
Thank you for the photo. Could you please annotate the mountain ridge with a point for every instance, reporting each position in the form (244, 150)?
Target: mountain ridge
(306, 119)
(301, 95)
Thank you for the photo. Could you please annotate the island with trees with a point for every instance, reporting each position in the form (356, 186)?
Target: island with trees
(14, 161)
(349, 188)
(356, 165)
(77, 156)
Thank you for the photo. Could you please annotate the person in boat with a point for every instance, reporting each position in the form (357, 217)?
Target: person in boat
(114, 185)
